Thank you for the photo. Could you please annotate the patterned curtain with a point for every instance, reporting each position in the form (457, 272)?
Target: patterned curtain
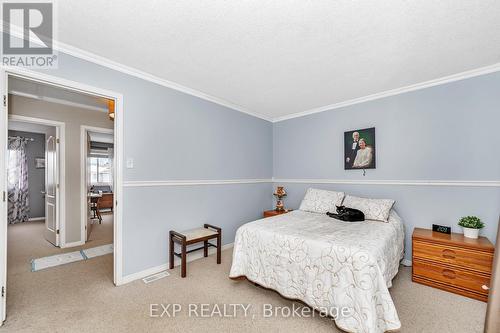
(17, 181)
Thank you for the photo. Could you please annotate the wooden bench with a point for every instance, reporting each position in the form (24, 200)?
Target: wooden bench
(194, 236)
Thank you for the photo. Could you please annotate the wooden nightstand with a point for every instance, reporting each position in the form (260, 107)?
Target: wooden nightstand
(452, 262)
(269, 213)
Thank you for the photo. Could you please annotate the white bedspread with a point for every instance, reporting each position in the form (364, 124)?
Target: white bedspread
(326, 263)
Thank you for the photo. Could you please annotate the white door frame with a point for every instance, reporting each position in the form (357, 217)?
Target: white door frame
(118, 161)
(84, 129)
(61, 181)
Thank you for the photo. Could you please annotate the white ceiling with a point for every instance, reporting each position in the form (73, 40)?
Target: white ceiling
(280, 57)
(32, 89)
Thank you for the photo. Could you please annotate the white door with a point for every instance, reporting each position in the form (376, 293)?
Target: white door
(51, 232)
(3, 193)
(86, 171)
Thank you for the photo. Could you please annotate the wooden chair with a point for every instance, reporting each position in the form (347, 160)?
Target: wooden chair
(94, 207)
(106, 201)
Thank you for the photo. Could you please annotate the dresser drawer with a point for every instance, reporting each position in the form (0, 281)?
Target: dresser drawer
(453, 277)
(470, 259)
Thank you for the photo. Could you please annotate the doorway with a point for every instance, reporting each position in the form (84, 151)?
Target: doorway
(34, 175)
(118, 157)
(97, 185)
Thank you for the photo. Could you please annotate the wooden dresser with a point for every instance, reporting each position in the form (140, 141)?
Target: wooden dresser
(452, 262)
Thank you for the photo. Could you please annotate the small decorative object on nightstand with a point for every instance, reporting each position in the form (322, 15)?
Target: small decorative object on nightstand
(274, 212)
(280, 194)
(452, 262)
(471, 226)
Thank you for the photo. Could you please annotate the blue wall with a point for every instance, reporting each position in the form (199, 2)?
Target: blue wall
(175, 136)
(441, 133)
(166, 208)
(447, 132)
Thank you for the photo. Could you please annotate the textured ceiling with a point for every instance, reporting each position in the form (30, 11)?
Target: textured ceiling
(281, 57)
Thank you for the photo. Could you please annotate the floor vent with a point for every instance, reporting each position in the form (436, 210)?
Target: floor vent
(155, 277)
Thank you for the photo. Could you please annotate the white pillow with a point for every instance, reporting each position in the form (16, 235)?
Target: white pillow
(321, 201)
(374, 209)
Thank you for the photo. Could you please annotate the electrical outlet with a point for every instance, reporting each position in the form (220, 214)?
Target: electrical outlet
(130, 163)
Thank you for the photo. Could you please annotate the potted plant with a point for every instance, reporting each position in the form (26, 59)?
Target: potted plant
(471, 226)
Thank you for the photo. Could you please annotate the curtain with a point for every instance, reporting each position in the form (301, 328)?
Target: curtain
(17, 181)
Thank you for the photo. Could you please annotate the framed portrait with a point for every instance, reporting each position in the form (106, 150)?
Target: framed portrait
(39, 162)
(359, 149)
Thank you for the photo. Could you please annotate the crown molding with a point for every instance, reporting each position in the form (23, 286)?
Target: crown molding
(114, 65)
(427, 84)
(102, 61)
(461, 183)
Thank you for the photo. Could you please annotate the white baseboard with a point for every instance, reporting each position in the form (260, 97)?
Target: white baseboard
(406, 262)
(73, 244)
(153, 270)
(142, 274)
(36, 218)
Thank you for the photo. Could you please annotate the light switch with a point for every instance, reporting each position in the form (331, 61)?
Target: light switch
(130, 163)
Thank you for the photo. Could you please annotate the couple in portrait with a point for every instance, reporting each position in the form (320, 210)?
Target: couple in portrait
(360, 149)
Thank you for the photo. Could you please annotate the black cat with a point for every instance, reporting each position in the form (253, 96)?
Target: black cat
(347, 214)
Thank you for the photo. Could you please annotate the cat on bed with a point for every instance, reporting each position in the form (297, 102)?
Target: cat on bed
(347, 214)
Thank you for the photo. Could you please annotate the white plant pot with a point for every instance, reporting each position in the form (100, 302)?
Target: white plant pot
(471, 233)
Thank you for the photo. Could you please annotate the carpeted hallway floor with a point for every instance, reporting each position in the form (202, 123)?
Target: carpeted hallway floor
(80, 297)
(25, 241)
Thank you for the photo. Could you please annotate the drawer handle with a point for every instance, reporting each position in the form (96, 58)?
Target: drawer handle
(448, 254)
(449, 274)
(485, 287)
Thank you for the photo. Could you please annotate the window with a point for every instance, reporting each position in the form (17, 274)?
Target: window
(100, 170)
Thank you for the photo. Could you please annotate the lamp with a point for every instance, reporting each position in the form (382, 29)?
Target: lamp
(279, 194)
(111, 109)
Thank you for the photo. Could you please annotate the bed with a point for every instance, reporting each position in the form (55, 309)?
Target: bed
(326, 263)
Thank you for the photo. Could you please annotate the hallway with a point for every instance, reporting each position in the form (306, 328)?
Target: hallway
(25, 242)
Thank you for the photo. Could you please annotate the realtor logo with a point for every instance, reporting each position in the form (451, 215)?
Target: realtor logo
(28, 32)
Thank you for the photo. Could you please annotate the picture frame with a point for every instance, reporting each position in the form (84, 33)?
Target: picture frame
(360, 149)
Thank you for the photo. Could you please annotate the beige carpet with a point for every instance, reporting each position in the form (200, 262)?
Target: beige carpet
(25, 241)
(80, 297)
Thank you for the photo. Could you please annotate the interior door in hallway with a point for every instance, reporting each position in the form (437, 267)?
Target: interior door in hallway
(51, 191)
(3, 189)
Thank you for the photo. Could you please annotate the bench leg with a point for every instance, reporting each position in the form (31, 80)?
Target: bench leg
(183, 260)
(171, 253)
(219, 246)
(205, 248)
